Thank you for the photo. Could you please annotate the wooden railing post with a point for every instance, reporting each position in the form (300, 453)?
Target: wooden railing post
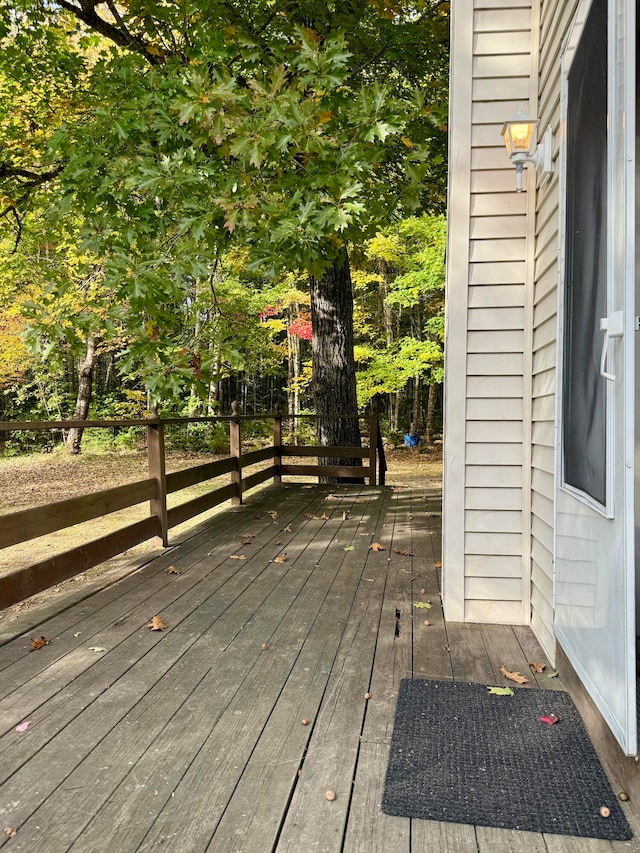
(373, 449)
(277, 446)
(157, 471)
(235, 450)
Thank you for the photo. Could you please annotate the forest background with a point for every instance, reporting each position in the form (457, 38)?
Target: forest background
(163, 221)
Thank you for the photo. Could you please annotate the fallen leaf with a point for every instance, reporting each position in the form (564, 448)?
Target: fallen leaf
(553, 674)
(377, 547)
(426, 604)
(10, 831)
(38, 644)
(307, 487)
(287, 529)
(309, 515)
(330, 497)
(274, 514)
(349, 548)
(550, 719)
(246, 542)
(437, 565)
(500, 691)
(23, 726)
(172, 571)
(537, 667)
(324, 517)
(281, 559)
(77, 633)
(513, 676)
(237, 557)
(97, 649)
(402, 553)
(156, 624)
(345, 516)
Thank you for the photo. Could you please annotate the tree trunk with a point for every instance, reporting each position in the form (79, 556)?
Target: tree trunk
(83, 400)
(334, 371)
(416, 399)
(431, 412)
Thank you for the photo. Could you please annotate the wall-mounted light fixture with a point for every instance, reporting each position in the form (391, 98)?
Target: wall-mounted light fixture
(520, 138)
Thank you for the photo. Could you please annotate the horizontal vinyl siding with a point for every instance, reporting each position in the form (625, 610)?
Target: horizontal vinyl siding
(487, 451)
(555, 17)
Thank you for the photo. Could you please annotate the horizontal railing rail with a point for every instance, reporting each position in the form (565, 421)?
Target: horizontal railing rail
(25, 525)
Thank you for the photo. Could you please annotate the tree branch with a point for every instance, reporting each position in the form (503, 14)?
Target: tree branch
(10, 210)
(32, 179)
(121, 37)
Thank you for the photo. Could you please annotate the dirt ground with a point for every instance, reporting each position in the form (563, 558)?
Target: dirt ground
(41, 478)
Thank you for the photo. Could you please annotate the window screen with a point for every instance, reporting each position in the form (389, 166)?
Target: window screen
(584, 391)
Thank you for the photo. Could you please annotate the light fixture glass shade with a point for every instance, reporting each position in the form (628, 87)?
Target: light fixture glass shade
(518, 133)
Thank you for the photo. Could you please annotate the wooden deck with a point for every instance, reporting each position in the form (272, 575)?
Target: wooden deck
(193, 738)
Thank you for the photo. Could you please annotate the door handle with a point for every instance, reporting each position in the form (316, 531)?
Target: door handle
(613, 327)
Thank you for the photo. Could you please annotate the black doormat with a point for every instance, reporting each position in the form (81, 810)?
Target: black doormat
(464, 755)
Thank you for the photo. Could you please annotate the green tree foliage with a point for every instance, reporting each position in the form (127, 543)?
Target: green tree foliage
(402, 297)
(179, 129)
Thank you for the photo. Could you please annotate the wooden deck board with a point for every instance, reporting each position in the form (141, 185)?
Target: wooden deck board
(191, 739)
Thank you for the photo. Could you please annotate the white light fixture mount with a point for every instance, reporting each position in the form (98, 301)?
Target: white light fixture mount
(520, 140)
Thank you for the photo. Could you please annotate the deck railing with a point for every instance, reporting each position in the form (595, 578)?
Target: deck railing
(28, 524)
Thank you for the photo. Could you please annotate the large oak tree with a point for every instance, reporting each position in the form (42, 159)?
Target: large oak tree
(296, 128)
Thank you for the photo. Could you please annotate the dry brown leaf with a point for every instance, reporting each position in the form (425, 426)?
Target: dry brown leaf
(345, 515)
(513, 676)
(280, 559)
(437, 565)
(287, 529)
(8, 830)
(156, 624)
(537, 667)
(402, 552)
(377, 547)
(172, 571)
(38, 644)
(246, 542)
(274, 514)
(324, 517)
(309, 515)
(237, 557)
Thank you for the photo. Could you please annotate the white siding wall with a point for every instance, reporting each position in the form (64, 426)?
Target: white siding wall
(502, 326)
(489, 311)
(555, 18)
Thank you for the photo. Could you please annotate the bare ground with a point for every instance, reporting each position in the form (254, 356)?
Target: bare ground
(39, 479)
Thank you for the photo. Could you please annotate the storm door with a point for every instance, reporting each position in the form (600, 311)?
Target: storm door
(594, 597)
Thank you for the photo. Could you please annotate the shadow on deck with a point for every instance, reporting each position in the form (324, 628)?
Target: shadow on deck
(197, 737)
